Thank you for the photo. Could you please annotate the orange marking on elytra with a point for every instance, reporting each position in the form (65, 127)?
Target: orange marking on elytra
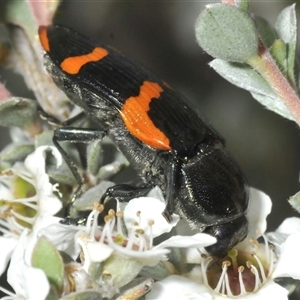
(73, 64)
(134, 115)
(43, 34)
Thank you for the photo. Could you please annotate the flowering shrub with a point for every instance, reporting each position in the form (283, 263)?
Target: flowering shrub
(128, 250)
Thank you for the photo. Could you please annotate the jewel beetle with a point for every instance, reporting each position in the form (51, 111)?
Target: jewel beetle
(164, 139)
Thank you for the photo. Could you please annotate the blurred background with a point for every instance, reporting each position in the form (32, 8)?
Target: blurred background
(160, 35)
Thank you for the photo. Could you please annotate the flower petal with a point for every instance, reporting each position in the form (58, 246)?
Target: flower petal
(7, 246)
(289, 226)
(93, 251)
(259, 208)
(192, 255)
(37, 285)
(62, 236)
(143, 211)
(35, 162)
(23, 278)
(289, 259)
(195, 241)
(157, 194)
(269, 290)
(177, 287)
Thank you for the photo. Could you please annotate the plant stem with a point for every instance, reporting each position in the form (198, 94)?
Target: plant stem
(268, 69)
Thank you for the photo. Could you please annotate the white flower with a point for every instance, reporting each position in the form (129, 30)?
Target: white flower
(286, 240)
(124, 244)
(28, 283)
(250, 269)
(62, 237)
(27, 200)
(144, 214)
(178, 287)
(144, 221)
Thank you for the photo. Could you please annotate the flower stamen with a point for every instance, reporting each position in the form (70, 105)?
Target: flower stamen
(151, 223)
(245, 272)
(254, 271)
(241, 282)
(225, 265)
(261, 268)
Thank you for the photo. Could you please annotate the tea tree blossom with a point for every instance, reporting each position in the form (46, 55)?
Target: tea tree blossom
(125, 243)
(28, 200)
(249, 270)
(22, 277)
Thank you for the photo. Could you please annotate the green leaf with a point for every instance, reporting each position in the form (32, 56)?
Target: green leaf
(243, 4)
(46, 257)
(177, 259)
(158, 272)
(19, 13)
(86, 201)
(242, 76)
(279, 52)
(246, 78)
(94, 157)
(19, 112)
(16, 152)
(62, 175)
(28, 14)
(274, 105)
(286, 28)
(121, 269)
(266, 31)
(226, 32)
(44, 139)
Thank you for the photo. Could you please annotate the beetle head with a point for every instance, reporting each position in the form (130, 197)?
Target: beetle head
(227, 235)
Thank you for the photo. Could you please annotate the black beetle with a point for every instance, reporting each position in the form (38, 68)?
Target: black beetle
(165, 141)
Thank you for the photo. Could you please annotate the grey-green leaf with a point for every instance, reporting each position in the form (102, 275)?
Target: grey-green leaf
(110, 170)
(44, 139)
(18, 112)
(246, 78)
(62, 175)
(266, 31)
(16, 152)
(94, 157)
(243, 76)
(286, 28)
(274, 105)
(157, 272)
(86, 200)
(227, 32)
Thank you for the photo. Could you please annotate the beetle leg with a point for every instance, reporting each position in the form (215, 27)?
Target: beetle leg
(125, 192)
(53, 121)
(171, 175)
(75, 135)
